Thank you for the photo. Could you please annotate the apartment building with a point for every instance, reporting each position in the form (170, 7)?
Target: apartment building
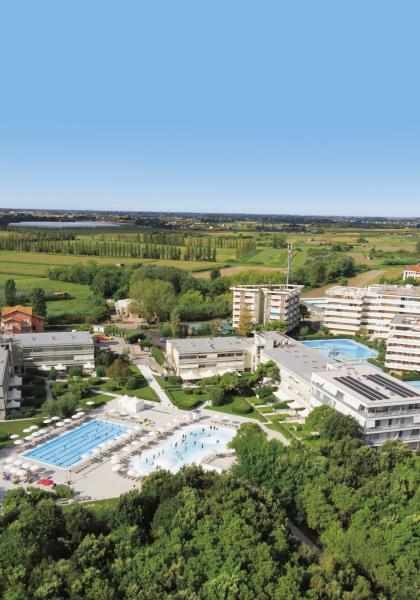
(387, 409)
(56, 349)
(403, 346)
(267, 303)
(195, 358)
(370, 310)
(5, 376)
(296, 363)
(411, 272)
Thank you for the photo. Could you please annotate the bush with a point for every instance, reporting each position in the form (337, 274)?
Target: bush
(165, 330)
(241, 406)
(100, 370)
(52, 374)
(174, 380)
(264, 391)
(280, 405)
(217, 396)
(197, 391)
(111, 386)
(158, 355)
(75, 371)
(134, 382)
(188, 390)
(64, 491)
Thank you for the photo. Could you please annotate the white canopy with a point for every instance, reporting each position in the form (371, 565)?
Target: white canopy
(14, 436)
(60, 367)
(296, 405)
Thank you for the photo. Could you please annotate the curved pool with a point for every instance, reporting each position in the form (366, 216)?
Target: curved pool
(185, 447)
(343, 350)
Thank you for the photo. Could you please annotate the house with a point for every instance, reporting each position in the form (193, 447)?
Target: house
(20, 319)
(403, 346)
(411, 272)
(122, 309)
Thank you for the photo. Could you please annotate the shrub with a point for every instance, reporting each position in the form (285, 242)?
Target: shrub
(241, 406)
(264, 391)
(217, 395)
(280, 405)
(112, 386)
(75, 371)
(134, 382)
(52, 374)
(64, 491)
(174, 380)
(197, 391)
(188, 390)
(158, 355)
(100, 370)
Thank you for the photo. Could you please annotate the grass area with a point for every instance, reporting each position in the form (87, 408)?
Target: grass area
(8, 428)
(227, 408)
(281, 429)
(158, 355)
(267, 257)
(143, 391)
(25, 283)
(266, 409)
(98, 399)
(185, 401)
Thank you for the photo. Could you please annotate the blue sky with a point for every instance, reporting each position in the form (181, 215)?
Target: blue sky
(277, 107)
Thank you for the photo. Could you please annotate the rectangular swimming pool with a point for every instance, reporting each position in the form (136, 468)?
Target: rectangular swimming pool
(66, 450)
(343, 350)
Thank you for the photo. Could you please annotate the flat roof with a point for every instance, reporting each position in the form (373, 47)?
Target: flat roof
(379, 289)
(213, 344)
(298, 358)
(50, 338)
(370, 385)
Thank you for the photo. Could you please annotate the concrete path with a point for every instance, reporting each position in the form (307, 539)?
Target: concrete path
(302, 537)
(150, 378)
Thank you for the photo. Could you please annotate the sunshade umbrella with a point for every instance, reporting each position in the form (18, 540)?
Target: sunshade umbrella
(17, 462)
(28, 438)
(20, 472)
(47, 421)
(79, 408)
(33, 427)
(26, 465)
(135, 443)
(67, 420)
(27, 430)
(60, 424)
(116, 467)
(34, 468)
(18, 442)
(81, 413)
(90, 403)
(14, 436)
(151, 433)
(37, 433)
(85, 456)
(95, 452)
(115, 459)
(75, 416)
(55, 418)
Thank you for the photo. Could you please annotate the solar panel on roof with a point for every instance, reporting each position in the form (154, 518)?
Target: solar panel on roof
(360, 388)
(392, 386)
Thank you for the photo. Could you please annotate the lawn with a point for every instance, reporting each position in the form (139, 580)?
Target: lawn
(8, 428)
(143, 391)
(227, 408)
(186, 401)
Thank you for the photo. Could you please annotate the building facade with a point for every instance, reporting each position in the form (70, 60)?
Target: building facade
(20, 319)
(5, 376)
(403, 346)
(195, 358)
(267, 304)
(411, 272)
(387, 409)
(60, 350)
(370, 310)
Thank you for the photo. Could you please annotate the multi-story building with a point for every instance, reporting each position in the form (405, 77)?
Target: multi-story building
(403, 346)
(56, 349)
(5, 375)
(195, 358)
(20, 319)
(267, 303)
(370, 310)
(411, 272)
(387, 409)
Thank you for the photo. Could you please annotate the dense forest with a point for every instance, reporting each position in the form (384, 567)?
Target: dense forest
(198, 535)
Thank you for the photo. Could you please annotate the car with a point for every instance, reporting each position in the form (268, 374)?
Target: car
(162, 340)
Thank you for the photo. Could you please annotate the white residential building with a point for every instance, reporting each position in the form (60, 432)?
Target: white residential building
(411, 272)
(5, 376)
(403, 346)
(387, 409)
(53, 349)
(370, 310)
(296, 364)
(195, 358)
(267, 303)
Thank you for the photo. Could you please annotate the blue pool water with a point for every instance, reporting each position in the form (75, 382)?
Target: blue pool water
(66, 450)
(343, 350)
(416, 384)
(184, 447)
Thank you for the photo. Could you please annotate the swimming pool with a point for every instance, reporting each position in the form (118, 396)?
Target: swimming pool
(66, 450)
(342, 350)
(415, 384)
(183, 448)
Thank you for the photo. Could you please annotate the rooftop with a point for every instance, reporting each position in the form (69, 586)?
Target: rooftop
(51, 338)
(298, 358)
(379, 290)
(415, 268)
(369, 385)
(214, 344)
(8, 310)
(275, 287)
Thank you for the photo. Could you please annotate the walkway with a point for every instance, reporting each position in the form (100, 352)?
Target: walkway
(150, 379)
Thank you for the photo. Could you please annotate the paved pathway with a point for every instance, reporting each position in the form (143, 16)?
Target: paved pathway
(150, 378)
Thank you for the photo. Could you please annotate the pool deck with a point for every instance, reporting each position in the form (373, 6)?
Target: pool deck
(97, 481)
